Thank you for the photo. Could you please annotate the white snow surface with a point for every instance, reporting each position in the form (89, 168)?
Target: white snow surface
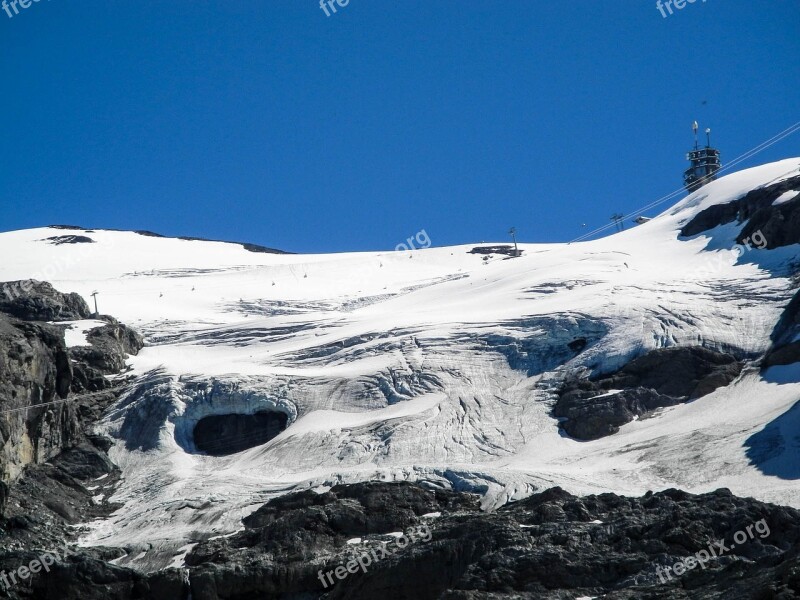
(75, 334)
(785, 197)
(431, 365)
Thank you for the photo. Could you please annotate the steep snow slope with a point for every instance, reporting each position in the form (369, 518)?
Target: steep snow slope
(432, 365)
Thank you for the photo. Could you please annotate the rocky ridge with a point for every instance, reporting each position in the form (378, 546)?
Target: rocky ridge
(594, 408)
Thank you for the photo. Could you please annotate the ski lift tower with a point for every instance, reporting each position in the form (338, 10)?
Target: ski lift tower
(705, 163)
(96, 312)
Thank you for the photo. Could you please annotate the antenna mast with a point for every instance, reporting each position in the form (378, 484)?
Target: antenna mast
(704, 162)
(513, 233)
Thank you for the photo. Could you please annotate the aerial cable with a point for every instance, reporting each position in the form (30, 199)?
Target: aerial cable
(752, 152)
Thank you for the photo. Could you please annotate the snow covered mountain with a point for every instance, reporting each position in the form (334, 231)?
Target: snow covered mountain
(444, 365)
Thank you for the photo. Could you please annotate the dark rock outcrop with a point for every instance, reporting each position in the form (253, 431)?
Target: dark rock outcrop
(35, 377)
(550, 546)
(110, 346)
(43, 507)
(594, 408)
(57, 240)
(38, 417)
(785, 349)
(38, 372)
(32, 300)
(789, 324)
(506, 249)
(782, 355)
(54, 472)
(423, 543)
(780, 225)
(85, 461)
(83, 577)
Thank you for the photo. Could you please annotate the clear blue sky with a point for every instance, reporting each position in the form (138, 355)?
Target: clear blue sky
(266, 121)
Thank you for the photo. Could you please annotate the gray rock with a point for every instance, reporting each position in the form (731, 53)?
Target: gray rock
(782, 355)
(785, 350)
(57, 240)
(40, 418)
(32, 300)
(110, 346)
(780, 224)
(34, 370)
(550, 546)
(658, 379)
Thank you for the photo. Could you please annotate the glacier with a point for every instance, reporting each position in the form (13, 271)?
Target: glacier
(437, 365)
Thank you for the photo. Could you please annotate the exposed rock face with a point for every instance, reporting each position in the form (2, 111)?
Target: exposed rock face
(57, 240)
(664, 377)
(32, 300)
(110, 346)
(785, 348)
(84, 577)
(501, 249)
(551, 545)
(220, 435)
(37, 375)
(780, 224)
(783, 355)
(34, 370)
(45, 504)
(56, 473)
